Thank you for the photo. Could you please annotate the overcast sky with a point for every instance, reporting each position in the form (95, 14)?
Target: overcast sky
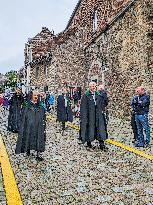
(23, 19)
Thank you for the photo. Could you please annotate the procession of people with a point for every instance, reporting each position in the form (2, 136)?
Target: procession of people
(27, 117)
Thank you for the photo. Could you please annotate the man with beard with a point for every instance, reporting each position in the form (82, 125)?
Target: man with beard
(64, 111)
(32, 134)
(92, 118)
(14, 117)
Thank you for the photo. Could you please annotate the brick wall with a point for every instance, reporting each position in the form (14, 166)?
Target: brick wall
(40, 45)
(118, 52)
(106, 10)
(124, 49)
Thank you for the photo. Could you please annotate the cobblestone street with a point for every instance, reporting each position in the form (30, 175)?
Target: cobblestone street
(70, 174)
(2, 191)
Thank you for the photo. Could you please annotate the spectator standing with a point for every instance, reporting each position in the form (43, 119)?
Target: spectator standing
(140, 104)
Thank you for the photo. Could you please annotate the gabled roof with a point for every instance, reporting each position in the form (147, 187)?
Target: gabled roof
(44, 31)
(73, 14)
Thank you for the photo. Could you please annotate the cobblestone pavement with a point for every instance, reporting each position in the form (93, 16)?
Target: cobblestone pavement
(121, 131)
(70, 174)
(2, 192)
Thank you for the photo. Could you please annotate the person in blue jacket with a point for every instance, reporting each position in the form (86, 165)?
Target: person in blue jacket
(140, 104)
(51, 100)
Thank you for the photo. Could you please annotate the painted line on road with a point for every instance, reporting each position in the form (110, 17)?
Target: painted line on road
(73, 126)
(114, 142)
(11, 190)
(130, 149)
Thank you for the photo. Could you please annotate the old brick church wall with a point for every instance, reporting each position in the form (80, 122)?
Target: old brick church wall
(68, 63)
(105, 11)
(124, 49)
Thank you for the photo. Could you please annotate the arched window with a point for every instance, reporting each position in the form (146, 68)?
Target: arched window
(95, 21)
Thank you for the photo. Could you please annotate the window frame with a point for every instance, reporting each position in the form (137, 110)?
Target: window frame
(95, 21)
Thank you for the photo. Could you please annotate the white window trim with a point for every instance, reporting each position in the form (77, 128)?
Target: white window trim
(95, 21)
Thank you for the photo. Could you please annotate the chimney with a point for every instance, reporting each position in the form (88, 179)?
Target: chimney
(44, 28)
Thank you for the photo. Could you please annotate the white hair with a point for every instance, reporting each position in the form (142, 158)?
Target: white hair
(101, 87)
(92, 83)
(35, 92)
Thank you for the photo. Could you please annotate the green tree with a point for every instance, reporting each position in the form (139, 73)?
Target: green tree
(8, 80)
(11, 79)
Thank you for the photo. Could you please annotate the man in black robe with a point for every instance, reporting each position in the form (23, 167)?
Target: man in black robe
(92, 118)
(32, 134)
(64, 111)
(103, 102)
(14, 117)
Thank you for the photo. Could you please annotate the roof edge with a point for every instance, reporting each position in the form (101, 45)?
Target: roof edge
(73, 14)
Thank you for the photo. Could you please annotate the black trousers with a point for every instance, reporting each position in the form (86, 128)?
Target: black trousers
(134, 126)
(63, 125)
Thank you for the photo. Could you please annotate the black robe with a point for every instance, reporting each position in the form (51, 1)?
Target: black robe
(64, 114)
(92, 118)
(14, 117)
(32, 135)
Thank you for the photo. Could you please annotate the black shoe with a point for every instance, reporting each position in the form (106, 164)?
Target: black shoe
(104, 148)
(89, 144)
(28, 152)
(14, 131)
(147, 145)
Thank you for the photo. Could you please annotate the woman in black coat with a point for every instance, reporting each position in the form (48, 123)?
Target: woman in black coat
(64, 111)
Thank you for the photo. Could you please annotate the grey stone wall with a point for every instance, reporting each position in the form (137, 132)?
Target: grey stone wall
(124, 51)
